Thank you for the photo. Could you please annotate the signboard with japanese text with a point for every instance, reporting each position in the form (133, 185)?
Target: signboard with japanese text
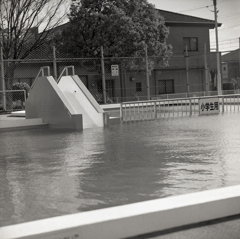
(208, 106)
(114, 70)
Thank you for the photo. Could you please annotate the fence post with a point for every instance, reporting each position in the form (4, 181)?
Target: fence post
(206, 70)
(239, 59)
(103, 77)
(219, 75)
(222, 104)
(190, 105)
(147, 73)
(2, 72)
(54, 63)
(121, 111)
(155, 109)
(187, 71)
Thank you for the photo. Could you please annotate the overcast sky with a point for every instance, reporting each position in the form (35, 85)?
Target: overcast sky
(228, 15)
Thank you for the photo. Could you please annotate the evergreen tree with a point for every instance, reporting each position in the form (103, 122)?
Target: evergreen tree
(123, 27)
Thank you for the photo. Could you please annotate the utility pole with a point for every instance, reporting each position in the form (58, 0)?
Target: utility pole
(147, 73)
(54, 63)
(187, 71)
(206, 69)
(219, 78)
(103, 77)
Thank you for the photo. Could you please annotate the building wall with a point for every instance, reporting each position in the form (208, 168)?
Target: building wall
(177, 33)
(233, 69)
(224, 72)
(176, 71)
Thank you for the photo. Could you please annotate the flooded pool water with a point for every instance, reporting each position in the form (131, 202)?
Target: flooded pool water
(46, 173)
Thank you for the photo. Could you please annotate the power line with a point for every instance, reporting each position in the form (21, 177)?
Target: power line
(223, 1)
(226, 15)
(233, 39)
(202, 6)
(225, 43)
(196, 8)
(226, 28)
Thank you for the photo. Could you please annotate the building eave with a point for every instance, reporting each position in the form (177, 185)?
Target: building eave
(192, 24)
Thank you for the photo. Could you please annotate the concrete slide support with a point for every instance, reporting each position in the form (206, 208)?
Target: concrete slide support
(67, 104)
(83, 102)
(46, 101)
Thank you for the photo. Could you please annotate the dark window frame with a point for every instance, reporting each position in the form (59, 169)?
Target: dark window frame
(165, 86)
(189, 43)
(138, 86)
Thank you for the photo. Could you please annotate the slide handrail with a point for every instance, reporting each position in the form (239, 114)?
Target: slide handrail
(41, 72)
(66, 69)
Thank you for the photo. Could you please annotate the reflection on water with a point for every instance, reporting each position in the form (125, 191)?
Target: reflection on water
(46, 173)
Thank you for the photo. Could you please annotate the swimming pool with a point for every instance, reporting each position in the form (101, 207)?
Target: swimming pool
(46, 173)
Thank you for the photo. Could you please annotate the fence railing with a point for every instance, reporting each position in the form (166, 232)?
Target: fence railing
(154, 109)
(230, 103)
(113, 100)
(11, 100)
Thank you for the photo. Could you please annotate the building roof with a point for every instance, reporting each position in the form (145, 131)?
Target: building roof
(176, 19)
(231, 56)
(171, 19)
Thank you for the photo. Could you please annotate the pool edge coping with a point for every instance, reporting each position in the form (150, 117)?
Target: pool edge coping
(133, 219)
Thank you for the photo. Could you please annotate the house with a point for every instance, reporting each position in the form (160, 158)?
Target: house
(231, 68)
(191, 33)
(189, 68)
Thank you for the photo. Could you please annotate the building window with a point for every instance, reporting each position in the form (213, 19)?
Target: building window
(138, 86)
(166, 86)
(191, 43)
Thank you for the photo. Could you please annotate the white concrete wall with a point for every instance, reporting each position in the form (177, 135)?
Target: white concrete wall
(46, 101)
(133, 219)
(82, 101)
(7, 124)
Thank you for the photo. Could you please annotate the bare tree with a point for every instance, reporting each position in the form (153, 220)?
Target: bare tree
(26, 24)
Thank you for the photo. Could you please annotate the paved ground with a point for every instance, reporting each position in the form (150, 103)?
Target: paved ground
(8, 117)
(227, 228)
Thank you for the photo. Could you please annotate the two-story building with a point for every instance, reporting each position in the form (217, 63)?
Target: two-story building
(192, 60)
(191, 68)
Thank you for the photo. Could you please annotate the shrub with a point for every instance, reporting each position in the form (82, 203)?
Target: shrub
(20, 94)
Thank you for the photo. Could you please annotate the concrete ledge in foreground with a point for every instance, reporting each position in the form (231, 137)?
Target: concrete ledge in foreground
(133, 219)
(17, 122)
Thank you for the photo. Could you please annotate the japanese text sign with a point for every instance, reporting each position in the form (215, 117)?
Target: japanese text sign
(208, 106)
(114, 70)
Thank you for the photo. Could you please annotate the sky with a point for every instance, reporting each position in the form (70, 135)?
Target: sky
(228, 15)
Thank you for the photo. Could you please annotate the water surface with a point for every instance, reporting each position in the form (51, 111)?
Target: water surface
(46, 173)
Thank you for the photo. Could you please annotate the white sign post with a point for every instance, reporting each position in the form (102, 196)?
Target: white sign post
(114, 70)
(208, 106)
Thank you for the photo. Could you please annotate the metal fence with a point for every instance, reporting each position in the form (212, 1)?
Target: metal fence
(11, 100)
(116, 80)
(155, 109)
